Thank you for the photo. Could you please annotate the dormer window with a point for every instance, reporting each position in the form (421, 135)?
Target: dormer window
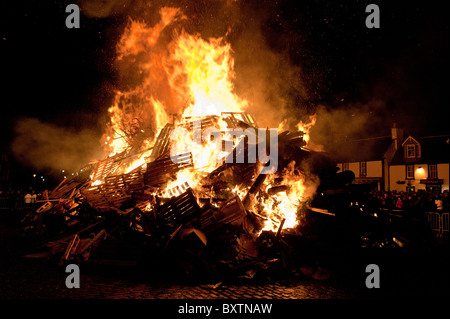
(410, 151)
(412, 148)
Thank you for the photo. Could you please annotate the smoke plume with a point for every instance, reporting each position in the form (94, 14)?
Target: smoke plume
(48, 147)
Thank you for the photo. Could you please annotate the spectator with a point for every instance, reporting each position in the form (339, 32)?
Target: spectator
(27, 199)
(399, 203)
(439, 203)
(417, 202)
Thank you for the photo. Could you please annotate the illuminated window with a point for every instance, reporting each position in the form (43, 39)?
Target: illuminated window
(432, 171)
(409, 171)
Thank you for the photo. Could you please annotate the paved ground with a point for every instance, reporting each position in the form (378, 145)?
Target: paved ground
(30, 278)
(50, 283)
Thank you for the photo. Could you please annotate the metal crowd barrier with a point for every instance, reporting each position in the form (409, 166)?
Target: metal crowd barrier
(444, 223)
(438, 222)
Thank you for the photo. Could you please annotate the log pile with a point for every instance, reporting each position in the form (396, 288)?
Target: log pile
(209, 231)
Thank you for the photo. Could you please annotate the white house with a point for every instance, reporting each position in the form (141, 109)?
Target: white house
(397, 163)
(421, 163)
(366, 159)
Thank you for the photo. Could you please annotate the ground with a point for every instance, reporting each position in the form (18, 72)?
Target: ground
(412, 274)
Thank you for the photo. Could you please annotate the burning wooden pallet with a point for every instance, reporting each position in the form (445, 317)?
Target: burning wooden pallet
(115, 190)
(160, 171)
(180, 209)
(107, 166)
(129, 182)
(104, 198)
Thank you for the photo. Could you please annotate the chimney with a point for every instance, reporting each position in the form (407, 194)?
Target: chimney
(397, 135)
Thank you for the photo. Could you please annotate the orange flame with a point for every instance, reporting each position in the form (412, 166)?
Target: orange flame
(183, 74)
(209, 70)
(306, 127)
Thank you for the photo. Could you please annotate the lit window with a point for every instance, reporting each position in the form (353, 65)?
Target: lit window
(432, 171)
(410, 171)
(344, 166)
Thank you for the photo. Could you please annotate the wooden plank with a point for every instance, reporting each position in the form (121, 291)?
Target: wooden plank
(92, 241)
(71, 247)
(162, 141)
(67, 190)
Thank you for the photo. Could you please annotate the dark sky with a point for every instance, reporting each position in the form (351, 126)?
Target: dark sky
(66, 76)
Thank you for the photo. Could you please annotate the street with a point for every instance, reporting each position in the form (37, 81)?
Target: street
(31, 278)
(28, 278)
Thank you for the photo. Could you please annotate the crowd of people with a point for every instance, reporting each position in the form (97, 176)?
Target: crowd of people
(15, 199)
(421, 201)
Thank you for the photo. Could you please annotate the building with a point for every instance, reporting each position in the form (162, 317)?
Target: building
(421, 163)
(397, 163)
(366, 159)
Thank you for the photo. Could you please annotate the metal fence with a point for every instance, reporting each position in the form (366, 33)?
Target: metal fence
(438, 222)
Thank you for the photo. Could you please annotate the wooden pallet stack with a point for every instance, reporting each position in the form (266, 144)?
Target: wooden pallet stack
(139, 203)
(115, 190)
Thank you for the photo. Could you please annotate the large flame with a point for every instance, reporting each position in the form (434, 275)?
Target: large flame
(176, 74)
(209, 69)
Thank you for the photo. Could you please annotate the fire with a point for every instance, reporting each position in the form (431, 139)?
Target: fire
(285, 204)
(306, 127)
(138, 114)
(280, 208)
(181, 74)
(209, 70)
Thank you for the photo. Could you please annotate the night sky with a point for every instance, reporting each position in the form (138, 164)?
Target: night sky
(67, 76)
